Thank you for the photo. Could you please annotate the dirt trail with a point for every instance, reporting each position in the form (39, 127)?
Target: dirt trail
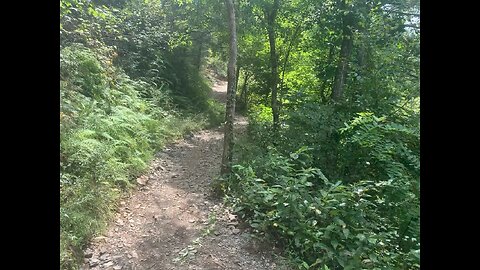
(171, 222)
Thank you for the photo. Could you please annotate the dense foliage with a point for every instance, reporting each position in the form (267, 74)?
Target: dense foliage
(337, 183)
(329, 168)
(127, 86)
(367, 219)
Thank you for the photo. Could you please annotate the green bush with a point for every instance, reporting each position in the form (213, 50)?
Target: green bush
(218, 65)
(110, 127)
(370, 220)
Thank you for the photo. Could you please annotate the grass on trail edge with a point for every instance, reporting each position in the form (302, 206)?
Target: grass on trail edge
(108, 162)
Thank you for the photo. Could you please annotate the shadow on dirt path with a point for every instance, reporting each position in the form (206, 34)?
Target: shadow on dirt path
(171, 222)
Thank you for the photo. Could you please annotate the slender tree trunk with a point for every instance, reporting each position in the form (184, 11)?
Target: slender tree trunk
(243, 95)
(289, 49)
(237, 75)
(324, 81)
(198, 60)
(271, 16)
(230, 106)
(274, 78)
(345, 51)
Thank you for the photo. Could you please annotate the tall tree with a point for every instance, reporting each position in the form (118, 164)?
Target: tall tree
(230, 107)
(270, 16)
(345, 51)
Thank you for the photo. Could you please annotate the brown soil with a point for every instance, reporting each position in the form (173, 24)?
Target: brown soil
(170, 221)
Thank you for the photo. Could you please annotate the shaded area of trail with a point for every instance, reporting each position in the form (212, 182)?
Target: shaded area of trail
(171, 222)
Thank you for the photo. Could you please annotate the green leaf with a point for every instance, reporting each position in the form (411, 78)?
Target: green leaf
(361, 236)
(334, 244)
(341, 262)
(340, 222)
(268, 197)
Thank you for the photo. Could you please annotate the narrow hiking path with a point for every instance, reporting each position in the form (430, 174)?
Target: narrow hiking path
(171, 222)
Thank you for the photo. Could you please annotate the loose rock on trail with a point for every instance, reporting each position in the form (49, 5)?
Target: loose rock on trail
(171, 222)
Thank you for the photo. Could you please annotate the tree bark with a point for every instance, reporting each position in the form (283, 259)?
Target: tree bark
(243, 95)
(323, 86)
(198, 60)
(237, 75)
(228, 136)
(345, 51)
(290, 46)
(271, 16)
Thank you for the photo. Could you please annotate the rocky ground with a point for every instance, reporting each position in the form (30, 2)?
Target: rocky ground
(170, 221)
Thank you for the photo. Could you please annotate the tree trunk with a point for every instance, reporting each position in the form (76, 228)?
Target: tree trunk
(290, 46)
(230, 106)
(198, 56)
(271, 16)
(243, 95)
(237, 75)
(345, 51)
(324, 81)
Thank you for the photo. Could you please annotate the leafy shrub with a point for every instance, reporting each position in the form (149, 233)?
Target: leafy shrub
(368, 221)
(109, 133)
(215, 112)
(85, 71)
(216, 64)
(389, 153)
(310, 124)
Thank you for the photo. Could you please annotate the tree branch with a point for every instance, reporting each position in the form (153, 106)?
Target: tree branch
(403, 13)
(412, 26)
